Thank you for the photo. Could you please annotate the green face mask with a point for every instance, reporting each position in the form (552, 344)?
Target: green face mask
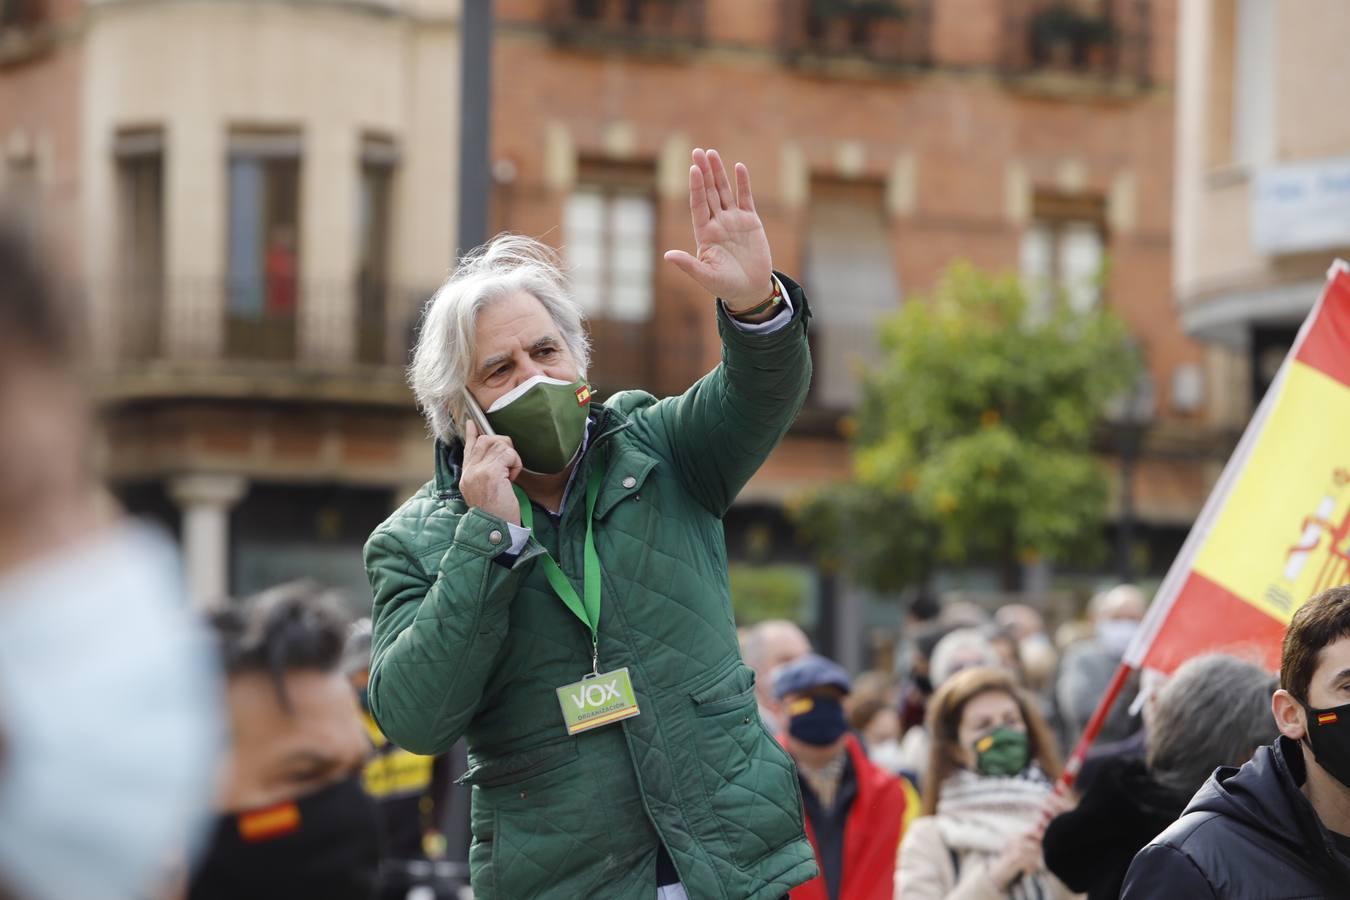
(545, 419)
(1004, 751)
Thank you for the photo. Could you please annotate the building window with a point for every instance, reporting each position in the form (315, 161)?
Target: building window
(848, 255)
(139, 157)
(610, 245)
(1063, 252)
(379, 158)
(264, 255)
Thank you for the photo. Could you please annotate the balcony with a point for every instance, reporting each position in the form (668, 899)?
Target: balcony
(251, 340)
(25, 30)
(656, 27)
(839, 36)
(629, 354)
(1084, 45)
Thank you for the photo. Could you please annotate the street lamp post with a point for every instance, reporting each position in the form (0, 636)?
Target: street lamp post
(1130, 415)
(475, 103)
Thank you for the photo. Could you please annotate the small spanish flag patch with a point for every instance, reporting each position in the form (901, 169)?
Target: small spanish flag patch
(272, 822)
(583, 395)
(1327, 718)
(801, 705)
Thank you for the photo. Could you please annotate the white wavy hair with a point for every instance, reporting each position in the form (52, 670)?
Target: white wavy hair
(441, 362)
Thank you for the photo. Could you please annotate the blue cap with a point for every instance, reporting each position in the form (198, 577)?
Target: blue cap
(807, 673)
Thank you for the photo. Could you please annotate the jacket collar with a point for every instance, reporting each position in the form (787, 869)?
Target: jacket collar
(1293, 771)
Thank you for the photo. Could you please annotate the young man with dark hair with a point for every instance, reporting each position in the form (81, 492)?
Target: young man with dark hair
(1280, 825)
(295, 820)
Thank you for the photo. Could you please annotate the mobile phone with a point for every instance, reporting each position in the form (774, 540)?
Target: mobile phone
(477, 413)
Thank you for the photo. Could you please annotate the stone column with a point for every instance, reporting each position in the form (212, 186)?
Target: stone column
(206, 501)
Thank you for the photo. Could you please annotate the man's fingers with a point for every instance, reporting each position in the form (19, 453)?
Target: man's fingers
(724, 195)
(470, 436)
(744, 198)
(698, 198)
(709, 182)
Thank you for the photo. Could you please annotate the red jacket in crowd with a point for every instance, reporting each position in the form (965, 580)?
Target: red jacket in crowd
(882, 807)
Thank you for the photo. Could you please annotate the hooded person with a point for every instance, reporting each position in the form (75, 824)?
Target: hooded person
(1278, 826)
(856, 811)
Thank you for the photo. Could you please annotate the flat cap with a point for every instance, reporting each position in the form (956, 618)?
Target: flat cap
(807, 673)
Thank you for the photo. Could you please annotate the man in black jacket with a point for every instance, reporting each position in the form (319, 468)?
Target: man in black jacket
(1279, 827)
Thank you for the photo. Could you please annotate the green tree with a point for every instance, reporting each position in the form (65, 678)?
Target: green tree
(974, 437)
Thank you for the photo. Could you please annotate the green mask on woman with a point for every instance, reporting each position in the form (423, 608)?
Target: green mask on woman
(1002, 752)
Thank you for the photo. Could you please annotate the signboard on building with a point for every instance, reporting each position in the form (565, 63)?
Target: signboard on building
(1302, 207)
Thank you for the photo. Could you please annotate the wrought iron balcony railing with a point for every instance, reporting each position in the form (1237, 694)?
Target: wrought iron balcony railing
(651, 26)
(885, 33)
(1106, 40)
(254, 335)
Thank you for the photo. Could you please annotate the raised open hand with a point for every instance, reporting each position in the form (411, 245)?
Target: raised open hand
(733, 260)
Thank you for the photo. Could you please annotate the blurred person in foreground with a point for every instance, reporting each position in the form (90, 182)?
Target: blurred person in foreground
(856, 812)
(109, 733)
(1214, 711)
(409, 789)
(986, 798)
(1279, 826)
(1086, 669)
(767, 646)
(294, 819)
(558, 593)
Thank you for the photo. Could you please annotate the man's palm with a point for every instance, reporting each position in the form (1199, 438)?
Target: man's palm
(733, 260)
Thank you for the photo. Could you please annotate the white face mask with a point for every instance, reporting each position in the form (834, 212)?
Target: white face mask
(1115, 634)
(110, 718)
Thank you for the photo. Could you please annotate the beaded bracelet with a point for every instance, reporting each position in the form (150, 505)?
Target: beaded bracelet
(774, 299)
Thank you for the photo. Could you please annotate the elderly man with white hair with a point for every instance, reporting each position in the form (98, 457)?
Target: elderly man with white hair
(558, 593)
(1088, 666)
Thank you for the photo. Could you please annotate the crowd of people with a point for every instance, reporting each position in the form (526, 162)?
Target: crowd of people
(274, 749)
(1228, 782)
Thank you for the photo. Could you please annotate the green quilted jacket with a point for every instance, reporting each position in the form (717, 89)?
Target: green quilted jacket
(465, 644)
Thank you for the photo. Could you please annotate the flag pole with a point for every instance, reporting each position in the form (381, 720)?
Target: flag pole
(1074, 765)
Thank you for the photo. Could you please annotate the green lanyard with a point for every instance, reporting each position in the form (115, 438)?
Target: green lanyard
(587, 610)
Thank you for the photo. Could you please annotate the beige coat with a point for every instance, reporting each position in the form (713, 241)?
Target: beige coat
(924, 870)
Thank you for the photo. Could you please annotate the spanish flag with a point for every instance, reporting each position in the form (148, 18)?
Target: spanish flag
(1276, 529)
(1327, 718)
(269, 822)
(583, 395)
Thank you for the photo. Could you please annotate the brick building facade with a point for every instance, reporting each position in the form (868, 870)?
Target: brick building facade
(882, 148)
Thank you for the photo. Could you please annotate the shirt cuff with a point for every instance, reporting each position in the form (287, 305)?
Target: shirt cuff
(769, 326)
(520, 536)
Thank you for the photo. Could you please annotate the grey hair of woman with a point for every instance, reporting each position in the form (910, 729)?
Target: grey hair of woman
(442, 360)
(1214, 711)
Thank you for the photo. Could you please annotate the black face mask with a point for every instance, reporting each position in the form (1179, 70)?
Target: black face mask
(1329, 737)
(818, 721)
(324, 844)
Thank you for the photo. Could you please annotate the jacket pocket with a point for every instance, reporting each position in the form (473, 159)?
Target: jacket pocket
(734, 691)
(519, 766)
(749, 781)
